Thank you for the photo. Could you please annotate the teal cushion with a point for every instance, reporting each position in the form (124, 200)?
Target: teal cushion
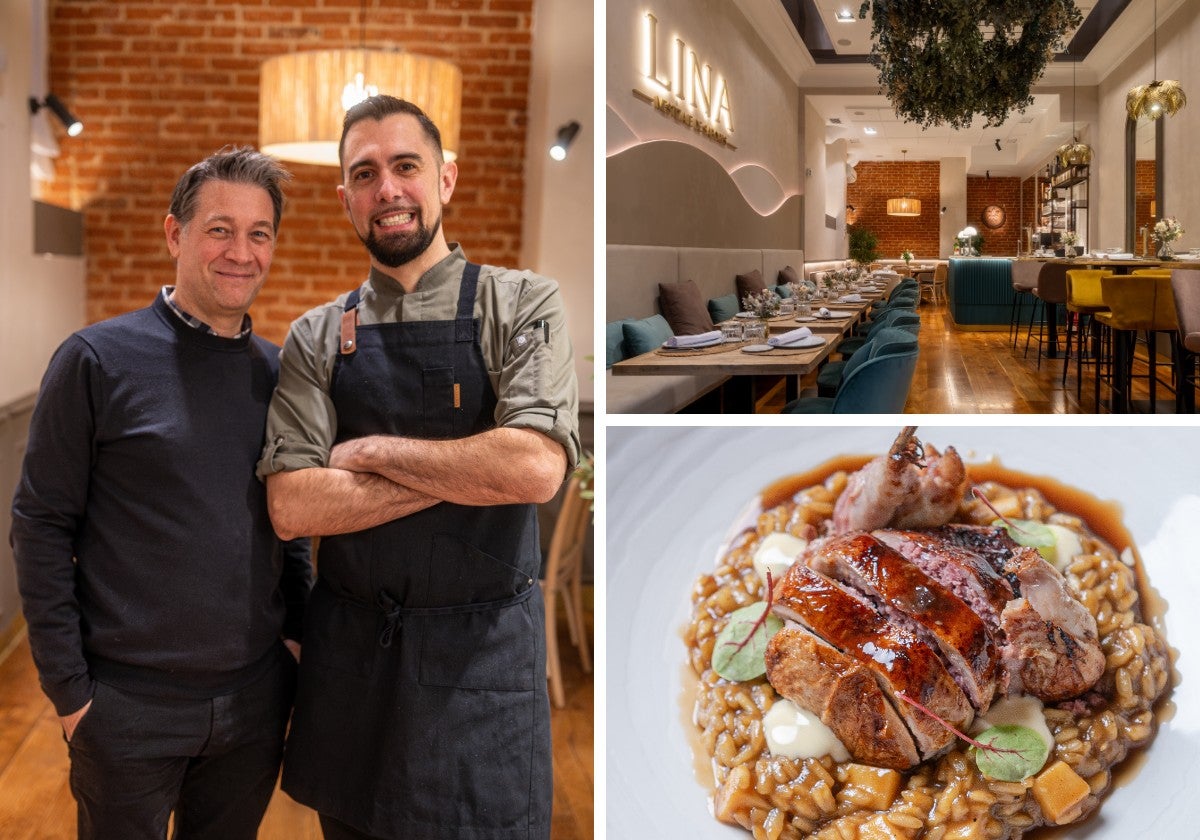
(783, 290)
(723, 308)
(614, 342)
(831, 375)
(645, 335)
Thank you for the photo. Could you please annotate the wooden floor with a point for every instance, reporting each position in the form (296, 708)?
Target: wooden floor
(36, 803)
(980, 373)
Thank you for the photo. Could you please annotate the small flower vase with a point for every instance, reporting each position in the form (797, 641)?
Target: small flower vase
(1165, 251)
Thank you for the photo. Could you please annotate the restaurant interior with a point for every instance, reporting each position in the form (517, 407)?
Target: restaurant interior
(156, 86)
(814, 209)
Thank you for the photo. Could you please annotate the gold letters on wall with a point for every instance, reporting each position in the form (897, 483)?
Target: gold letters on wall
(680, 86)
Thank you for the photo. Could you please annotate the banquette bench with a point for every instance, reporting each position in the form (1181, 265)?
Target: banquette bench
(633, 274)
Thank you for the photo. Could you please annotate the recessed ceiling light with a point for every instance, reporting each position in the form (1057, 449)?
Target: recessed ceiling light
(869, 130)
(844, 16)
(844, 42)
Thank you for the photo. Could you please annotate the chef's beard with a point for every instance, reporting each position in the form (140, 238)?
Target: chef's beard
(398, 249)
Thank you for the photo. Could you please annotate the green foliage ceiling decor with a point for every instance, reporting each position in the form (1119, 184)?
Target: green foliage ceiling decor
(944, 61)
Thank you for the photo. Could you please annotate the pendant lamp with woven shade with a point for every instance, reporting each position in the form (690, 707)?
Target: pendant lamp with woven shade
(904, 206)
(302, 97)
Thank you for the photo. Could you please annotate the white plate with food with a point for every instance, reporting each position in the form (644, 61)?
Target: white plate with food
(665, 530)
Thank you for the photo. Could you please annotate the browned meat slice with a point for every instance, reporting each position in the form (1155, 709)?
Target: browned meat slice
(912, 598)
(905, 664)
(964, 573)
(1052, 650)
(913, 486)
(992, 544)
(843, 694)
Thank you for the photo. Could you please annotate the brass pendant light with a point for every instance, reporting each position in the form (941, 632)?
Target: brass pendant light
(1158, 97)
(1074, 153)
(904, 206)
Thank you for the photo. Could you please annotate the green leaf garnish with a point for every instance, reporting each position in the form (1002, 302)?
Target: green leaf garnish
(1009, 753)
(1032, 533)
(740, 647)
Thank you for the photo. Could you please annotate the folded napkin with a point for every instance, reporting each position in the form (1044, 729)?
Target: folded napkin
(824, 313)
(693, 340)
(790, 337)
(1120, 256)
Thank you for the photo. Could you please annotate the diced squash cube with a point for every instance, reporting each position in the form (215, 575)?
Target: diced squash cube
(878, 828)
(736, 797)
(876, 786)
(1060, 792)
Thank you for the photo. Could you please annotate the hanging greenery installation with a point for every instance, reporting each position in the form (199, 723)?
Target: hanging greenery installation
(945, 61)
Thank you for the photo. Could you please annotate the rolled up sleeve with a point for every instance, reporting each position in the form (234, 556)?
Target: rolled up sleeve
(535, 383)
(302, 420)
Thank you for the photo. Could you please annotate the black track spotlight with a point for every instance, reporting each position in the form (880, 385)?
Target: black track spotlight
(562, 142)
(70, 121)
(998, 149)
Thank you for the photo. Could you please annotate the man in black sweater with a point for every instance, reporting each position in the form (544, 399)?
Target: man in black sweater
(161, 607)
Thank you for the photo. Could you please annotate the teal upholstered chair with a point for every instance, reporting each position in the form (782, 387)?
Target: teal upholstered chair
(830, 376)
(875, 381)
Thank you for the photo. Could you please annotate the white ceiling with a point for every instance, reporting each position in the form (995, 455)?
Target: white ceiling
(849, 93)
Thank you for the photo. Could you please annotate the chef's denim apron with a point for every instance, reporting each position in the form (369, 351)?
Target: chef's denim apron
(422, 709)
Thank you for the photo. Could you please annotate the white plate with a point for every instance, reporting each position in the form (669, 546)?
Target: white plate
(746, 315)
(850, 299)
(666, 518)
(805, 318)
(712, 342)
(757, 348)
(807, 341)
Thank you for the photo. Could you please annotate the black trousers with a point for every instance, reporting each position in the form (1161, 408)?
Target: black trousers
(332, 829)
(136, 758)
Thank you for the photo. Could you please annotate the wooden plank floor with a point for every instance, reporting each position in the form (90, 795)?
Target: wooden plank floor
(36, 803)
(980, 373)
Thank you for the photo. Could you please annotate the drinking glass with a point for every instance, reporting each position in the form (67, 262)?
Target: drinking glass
(731, 331)
(754, 331)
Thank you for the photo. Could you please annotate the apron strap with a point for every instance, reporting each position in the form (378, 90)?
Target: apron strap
(464, 321)
(347, 343)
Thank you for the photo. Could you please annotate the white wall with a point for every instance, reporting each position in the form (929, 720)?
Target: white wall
(824, 190)
(41, 298)
(953, 193)
(1178, 59)
(764, 158)
(559, 195)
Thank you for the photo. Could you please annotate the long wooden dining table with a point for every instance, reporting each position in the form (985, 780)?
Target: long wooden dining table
(732, 359)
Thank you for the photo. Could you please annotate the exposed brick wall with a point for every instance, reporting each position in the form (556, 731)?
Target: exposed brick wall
(161, 85)
(1003, 192)
(880, 180)
(1144, 175)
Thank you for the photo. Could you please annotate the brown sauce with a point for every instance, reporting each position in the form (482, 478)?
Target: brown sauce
(1103, 518)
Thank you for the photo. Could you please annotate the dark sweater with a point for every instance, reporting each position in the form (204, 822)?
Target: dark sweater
(140, 465)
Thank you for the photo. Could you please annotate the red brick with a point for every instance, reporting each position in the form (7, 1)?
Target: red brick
(176, 98)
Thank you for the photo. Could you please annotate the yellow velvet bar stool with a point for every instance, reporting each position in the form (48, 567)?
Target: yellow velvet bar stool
(1084, 301)
(1136, 303)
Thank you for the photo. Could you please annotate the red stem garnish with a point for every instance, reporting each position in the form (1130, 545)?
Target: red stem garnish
(951, 727)
(978, 494)
(761, 620)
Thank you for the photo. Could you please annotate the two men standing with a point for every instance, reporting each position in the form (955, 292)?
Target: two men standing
(418, 420)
